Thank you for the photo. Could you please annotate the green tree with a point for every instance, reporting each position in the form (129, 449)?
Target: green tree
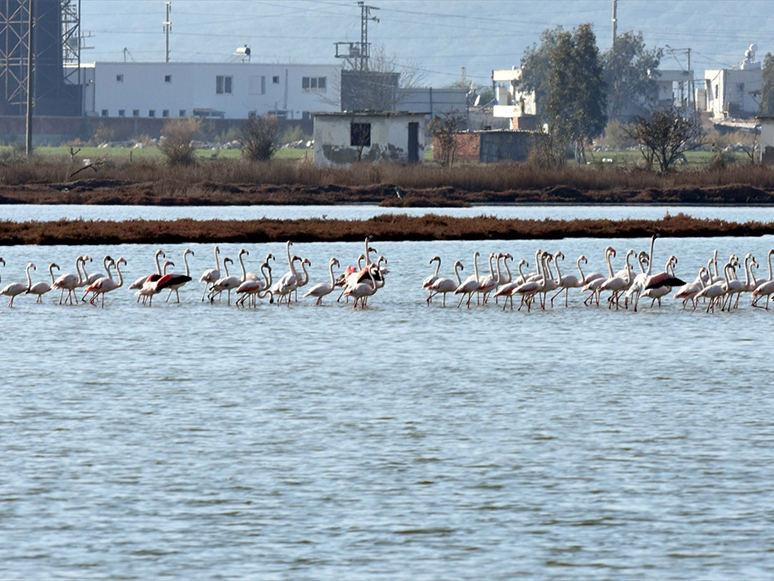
(767, 98)
(577, 104)
(627, 68)
(536, 67)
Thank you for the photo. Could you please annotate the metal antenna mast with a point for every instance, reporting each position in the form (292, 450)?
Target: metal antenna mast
(30, 28)
(167, 30)
(365, 16)
(615, 22)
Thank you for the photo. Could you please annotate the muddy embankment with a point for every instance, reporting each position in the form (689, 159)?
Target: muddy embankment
(383, 227)
(121, 192)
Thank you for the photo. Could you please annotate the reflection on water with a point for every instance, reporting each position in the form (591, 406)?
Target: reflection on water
(398, 442)
(21, 213)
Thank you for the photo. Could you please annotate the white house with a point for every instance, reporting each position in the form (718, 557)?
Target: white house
(387, 136)
(734, 93)
(511, 101)
(224, 90)
(766, 154)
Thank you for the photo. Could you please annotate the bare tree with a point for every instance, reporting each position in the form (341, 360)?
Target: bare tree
(445, 129)
(665, 136)
(259, 137)
(176, 142)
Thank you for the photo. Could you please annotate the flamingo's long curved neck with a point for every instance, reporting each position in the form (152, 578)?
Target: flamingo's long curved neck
(582, 277)
(558, 272)
(747, 270)
(609, 264)
(118, 272)
(521, 273)
(650, 254)
(303, 268)
(771, 277)
(330, 270)
(715, 260)
(78, 260)
(475, 265)
(29, 279)
(437, 266)
(266, 278)
(185, 261)
(457, 266)
(158, 266)
(367, 255)
(507, 270)
(51, 272)
(106, 266)
(225, 267)
(242, 264)
(538, 262)
(217, 258)
(290, 260)
(629, 267)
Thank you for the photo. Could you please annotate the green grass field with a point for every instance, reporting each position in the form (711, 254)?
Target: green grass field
(125, 153)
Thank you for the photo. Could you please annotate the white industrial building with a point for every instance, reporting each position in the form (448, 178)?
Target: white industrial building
(221, 90)
(736, 92)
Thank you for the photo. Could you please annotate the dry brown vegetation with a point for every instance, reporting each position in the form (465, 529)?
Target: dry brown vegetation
(226, 182)
(384, 227)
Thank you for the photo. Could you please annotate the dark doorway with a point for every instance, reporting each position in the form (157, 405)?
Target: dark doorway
(413, 142)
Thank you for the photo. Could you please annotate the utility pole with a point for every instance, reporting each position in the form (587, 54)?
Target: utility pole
(167, 29)
(365, 16)
(29, 83)
(615, 22)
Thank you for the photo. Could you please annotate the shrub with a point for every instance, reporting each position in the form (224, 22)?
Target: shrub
(259, 137)
(176, 142)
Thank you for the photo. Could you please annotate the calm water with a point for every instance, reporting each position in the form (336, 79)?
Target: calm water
(21, 212)
(400, 442)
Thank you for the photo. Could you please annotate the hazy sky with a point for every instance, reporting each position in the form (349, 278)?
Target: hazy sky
(436, 37)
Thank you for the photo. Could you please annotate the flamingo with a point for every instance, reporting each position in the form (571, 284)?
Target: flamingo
(660, 285)
(92, 278)
(363, 289)
(106, 285)
(618, 283)
(303, 280)
(151, 287)
(445, 285)
(69, 282)
(689, 291)
(432, 278)
(210, 276)
(470, 285)
(227, 283)
(765, 288)
(568, 281)
(16, 288)
(41, 288)
(253, 288)
(173, 281)
(507, 289)
(323, 289)
(594, 280)
(641, 280)
(716, 290)
(138, 284)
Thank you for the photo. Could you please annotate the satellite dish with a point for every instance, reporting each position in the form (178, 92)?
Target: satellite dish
(754, 48)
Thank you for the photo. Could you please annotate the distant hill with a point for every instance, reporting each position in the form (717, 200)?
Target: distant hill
(436, 37)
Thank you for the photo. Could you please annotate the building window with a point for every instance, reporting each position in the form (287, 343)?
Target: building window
(275, 80)
(313, 84)
(716, 91)
(182, 113)
(119, 78)
(104, 112)
(360, 134)
(263, 85)
(165, 113)
(122, 113)
(223, 84)
(167, 78)
(135, 112)
(152, 113)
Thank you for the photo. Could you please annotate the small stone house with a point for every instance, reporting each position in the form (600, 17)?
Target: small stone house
(345, 138)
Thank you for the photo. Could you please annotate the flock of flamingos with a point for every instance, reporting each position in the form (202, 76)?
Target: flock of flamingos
(358, 283)
(533, 289)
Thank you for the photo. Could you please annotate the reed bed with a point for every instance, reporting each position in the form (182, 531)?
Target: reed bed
(225, 174)
(384, 227)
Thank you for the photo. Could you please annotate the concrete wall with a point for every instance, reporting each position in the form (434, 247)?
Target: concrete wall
(389, 138)
(767, 141)
(433, 101)
(58, 130)
(150, 89)
(728, 92)
(490, 146)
